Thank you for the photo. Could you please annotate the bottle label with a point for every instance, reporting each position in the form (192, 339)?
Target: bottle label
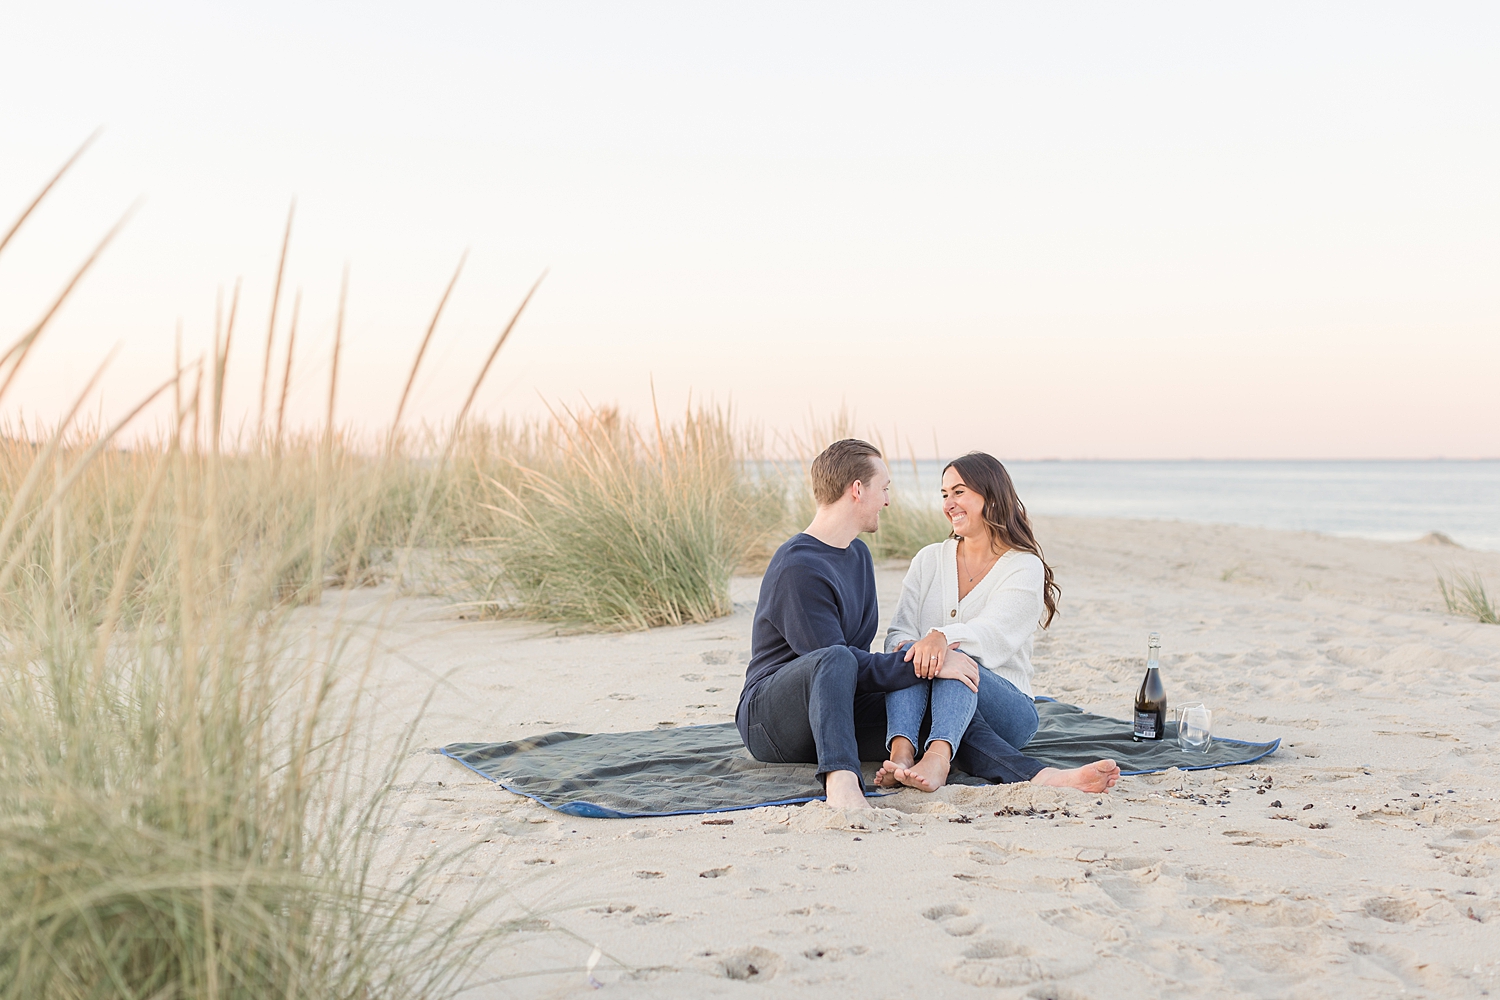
(1145, 726)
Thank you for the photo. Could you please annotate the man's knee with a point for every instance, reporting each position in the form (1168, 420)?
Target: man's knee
(837, 663)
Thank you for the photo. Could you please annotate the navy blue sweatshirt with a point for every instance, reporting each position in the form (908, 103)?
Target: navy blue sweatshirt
(814, 596)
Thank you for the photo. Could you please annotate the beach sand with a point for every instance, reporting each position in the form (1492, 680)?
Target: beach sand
(1360, 860)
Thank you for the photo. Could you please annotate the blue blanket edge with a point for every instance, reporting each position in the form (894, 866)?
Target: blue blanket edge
(589, 810)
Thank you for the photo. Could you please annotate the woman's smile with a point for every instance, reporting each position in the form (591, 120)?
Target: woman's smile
(963, 506)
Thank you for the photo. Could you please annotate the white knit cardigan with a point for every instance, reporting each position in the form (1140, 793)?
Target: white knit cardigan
(995, 623)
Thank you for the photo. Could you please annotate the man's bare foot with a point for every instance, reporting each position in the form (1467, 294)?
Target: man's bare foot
(1100, 776)
(931, 772)
(844, 791)
(902, 756)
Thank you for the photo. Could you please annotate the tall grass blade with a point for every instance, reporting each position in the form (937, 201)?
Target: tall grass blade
(265, 370)
(411, 377)
(463, 412)
(16, 354)
(26, 212)
(221, 366)
(286, 378)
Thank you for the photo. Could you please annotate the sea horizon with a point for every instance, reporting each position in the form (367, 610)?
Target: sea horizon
(1378, 499)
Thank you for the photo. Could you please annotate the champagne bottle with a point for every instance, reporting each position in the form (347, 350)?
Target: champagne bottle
(1151, 699)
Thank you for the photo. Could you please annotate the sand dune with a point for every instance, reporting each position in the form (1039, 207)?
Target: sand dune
(1360, 860)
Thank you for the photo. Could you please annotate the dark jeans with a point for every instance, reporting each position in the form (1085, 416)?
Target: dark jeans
(984, 754)
(807, 712)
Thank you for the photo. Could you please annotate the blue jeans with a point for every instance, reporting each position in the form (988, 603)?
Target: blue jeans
(952, 703)
(1011, 714)
(1001, 705)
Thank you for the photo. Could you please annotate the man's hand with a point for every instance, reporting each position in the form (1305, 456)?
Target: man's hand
(926, 655)
(960, 667)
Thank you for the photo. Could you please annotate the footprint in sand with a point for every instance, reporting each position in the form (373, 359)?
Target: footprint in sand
(1276, 911)
(832, 954)
(1392, 910)
(745, 964)
(1086, 923)
(1399, 962)
(651, 916)
(1052, 991)
(954, 919)
(981, 951)
(996, 962)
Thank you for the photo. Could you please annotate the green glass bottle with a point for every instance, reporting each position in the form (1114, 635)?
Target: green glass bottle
(1151, 699)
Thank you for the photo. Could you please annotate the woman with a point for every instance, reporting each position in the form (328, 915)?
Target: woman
(983, 591)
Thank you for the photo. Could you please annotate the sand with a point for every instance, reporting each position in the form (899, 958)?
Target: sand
(1358, 861)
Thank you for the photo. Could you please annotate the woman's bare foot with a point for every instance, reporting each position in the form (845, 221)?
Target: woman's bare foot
(902, 756)
(843, 790)
(1100, 776)
(931, 772)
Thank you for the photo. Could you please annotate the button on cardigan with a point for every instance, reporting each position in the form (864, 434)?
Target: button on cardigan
(995, 624)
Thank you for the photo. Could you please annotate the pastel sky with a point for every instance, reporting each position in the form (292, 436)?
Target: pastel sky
(1046, 230)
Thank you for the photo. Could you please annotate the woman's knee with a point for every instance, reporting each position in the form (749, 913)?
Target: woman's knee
(1008, 711)
(1025, 721)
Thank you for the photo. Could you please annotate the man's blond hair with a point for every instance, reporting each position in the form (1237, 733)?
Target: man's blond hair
(839, 466)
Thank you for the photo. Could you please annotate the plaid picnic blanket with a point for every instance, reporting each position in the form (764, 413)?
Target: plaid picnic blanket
(703, 769)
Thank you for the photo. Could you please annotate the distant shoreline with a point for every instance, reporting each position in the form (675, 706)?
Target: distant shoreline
(1390, 500)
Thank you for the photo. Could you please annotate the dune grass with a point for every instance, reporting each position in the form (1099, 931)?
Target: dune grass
(182, 810)
(599, 522)
(187, 805)
(1465, 595)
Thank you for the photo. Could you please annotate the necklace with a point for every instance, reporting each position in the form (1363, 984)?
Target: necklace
(966, 561)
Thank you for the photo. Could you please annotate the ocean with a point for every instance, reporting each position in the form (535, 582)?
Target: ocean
(1386, 500)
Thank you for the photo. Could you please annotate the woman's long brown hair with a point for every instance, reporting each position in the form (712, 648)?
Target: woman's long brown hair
(1005, 514)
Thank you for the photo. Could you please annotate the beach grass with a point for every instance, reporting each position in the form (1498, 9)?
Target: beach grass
(186, 809)
(599, 521)
(189, 807)
(1465, 595)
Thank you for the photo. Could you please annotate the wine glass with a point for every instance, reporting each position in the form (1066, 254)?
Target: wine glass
(1194, 728)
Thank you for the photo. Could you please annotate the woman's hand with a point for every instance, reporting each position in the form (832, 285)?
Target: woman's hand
(961, 667)
(927, 654)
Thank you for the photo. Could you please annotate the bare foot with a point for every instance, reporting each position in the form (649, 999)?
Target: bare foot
(1100, 776)
(902, 756)
(843, 791)
(931, 772)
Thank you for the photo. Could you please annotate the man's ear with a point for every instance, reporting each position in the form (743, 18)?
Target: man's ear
(856, 488)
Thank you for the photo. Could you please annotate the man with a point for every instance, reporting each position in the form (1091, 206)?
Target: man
(814, 693)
